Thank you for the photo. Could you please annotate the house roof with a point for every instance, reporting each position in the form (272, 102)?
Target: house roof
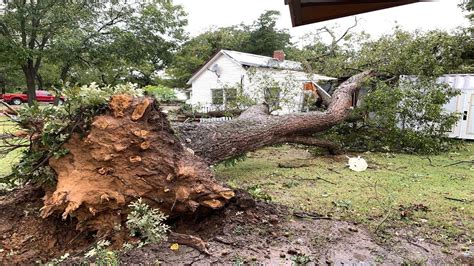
(252, 60)
(311, 11)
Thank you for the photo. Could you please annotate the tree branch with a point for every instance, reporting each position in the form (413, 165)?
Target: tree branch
(332, 147)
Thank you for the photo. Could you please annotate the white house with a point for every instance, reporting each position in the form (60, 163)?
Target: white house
(276, 81)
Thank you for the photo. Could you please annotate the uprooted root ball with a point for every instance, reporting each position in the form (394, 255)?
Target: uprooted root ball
(130, 152)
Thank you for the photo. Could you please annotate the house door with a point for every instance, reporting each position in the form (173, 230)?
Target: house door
(455, 106)
(467, 116)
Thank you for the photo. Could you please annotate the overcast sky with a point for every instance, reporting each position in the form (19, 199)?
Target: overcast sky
(442, 14)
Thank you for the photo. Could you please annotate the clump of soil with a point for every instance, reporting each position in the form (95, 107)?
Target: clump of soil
(27, 238)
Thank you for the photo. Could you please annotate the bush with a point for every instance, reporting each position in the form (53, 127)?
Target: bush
(147, 223)
(103, 256)
(161, 93)
(408, 117)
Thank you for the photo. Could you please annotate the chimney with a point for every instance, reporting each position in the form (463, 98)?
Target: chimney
(279, 55)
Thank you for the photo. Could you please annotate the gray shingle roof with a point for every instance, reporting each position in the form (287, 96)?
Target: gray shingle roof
(253, 60)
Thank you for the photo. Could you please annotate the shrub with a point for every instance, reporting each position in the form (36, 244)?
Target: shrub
(257, 193)
(161, 93)
(147, 223)
(408, 117)
(103, 256)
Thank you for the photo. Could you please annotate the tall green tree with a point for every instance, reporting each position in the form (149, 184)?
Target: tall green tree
(100, 40)
(27, 29)
(264, 37)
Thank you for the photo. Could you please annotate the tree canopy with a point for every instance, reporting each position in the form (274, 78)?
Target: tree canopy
(86, 41)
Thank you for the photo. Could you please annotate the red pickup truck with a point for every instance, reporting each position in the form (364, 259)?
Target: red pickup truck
(19, 98)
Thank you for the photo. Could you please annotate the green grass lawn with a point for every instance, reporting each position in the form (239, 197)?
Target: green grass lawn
(7, 161)
(386, 197)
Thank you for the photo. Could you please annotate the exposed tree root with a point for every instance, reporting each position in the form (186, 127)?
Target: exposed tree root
(130, 152)
(188, 240)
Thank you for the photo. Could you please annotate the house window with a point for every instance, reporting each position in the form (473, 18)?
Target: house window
(217, 96)
(272, 97)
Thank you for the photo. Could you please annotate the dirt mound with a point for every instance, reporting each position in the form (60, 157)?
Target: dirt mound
(269, 234)
(27, 238)
(244, 231)
(130, 152)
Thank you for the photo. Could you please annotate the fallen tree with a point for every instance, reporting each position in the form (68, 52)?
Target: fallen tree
(131, 151)
(255, 128)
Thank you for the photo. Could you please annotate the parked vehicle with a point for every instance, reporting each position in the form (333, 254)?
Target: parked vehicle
(19, 98)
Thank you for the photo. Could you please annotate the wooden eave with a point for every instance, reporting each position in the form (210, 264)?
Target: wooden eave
(311, 11)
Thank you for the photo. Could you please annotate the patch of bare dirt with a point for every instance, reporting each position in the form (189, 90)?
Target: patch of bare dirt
(26, 238)
(269, 234)
(244, 231)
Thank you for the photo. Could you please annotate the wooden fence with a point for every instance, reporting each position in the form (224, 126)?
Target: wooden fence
(214, 119)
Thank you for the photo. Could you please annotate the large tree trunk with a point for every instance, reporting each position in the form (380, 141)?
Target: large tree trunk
(255, 128)
(30, 77)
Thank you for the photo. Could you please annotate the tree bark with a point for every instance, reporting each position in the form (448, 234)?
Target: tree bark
(255, 128)
(39, 78)
(30, 76)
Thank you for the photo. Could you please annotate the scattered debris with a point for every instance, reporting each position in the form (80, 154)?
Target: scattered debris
(174, 247)
(188, 240)
(334, 170)
(460, 162)
(345, 204)
(407, 211)
(294, 164)
(316, 179)
(310, 215)
(460, 200)
(357, 164)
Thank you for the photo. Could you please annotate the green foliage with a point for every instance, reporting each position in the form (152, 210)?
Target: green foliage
(87, 41)
(407, 117)
(468, 5)
(400, 52)
(258, 193)
(51, 126)
(161, 93)
(301, 259)
(147, 223)
(396, 116)
(103, 256)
